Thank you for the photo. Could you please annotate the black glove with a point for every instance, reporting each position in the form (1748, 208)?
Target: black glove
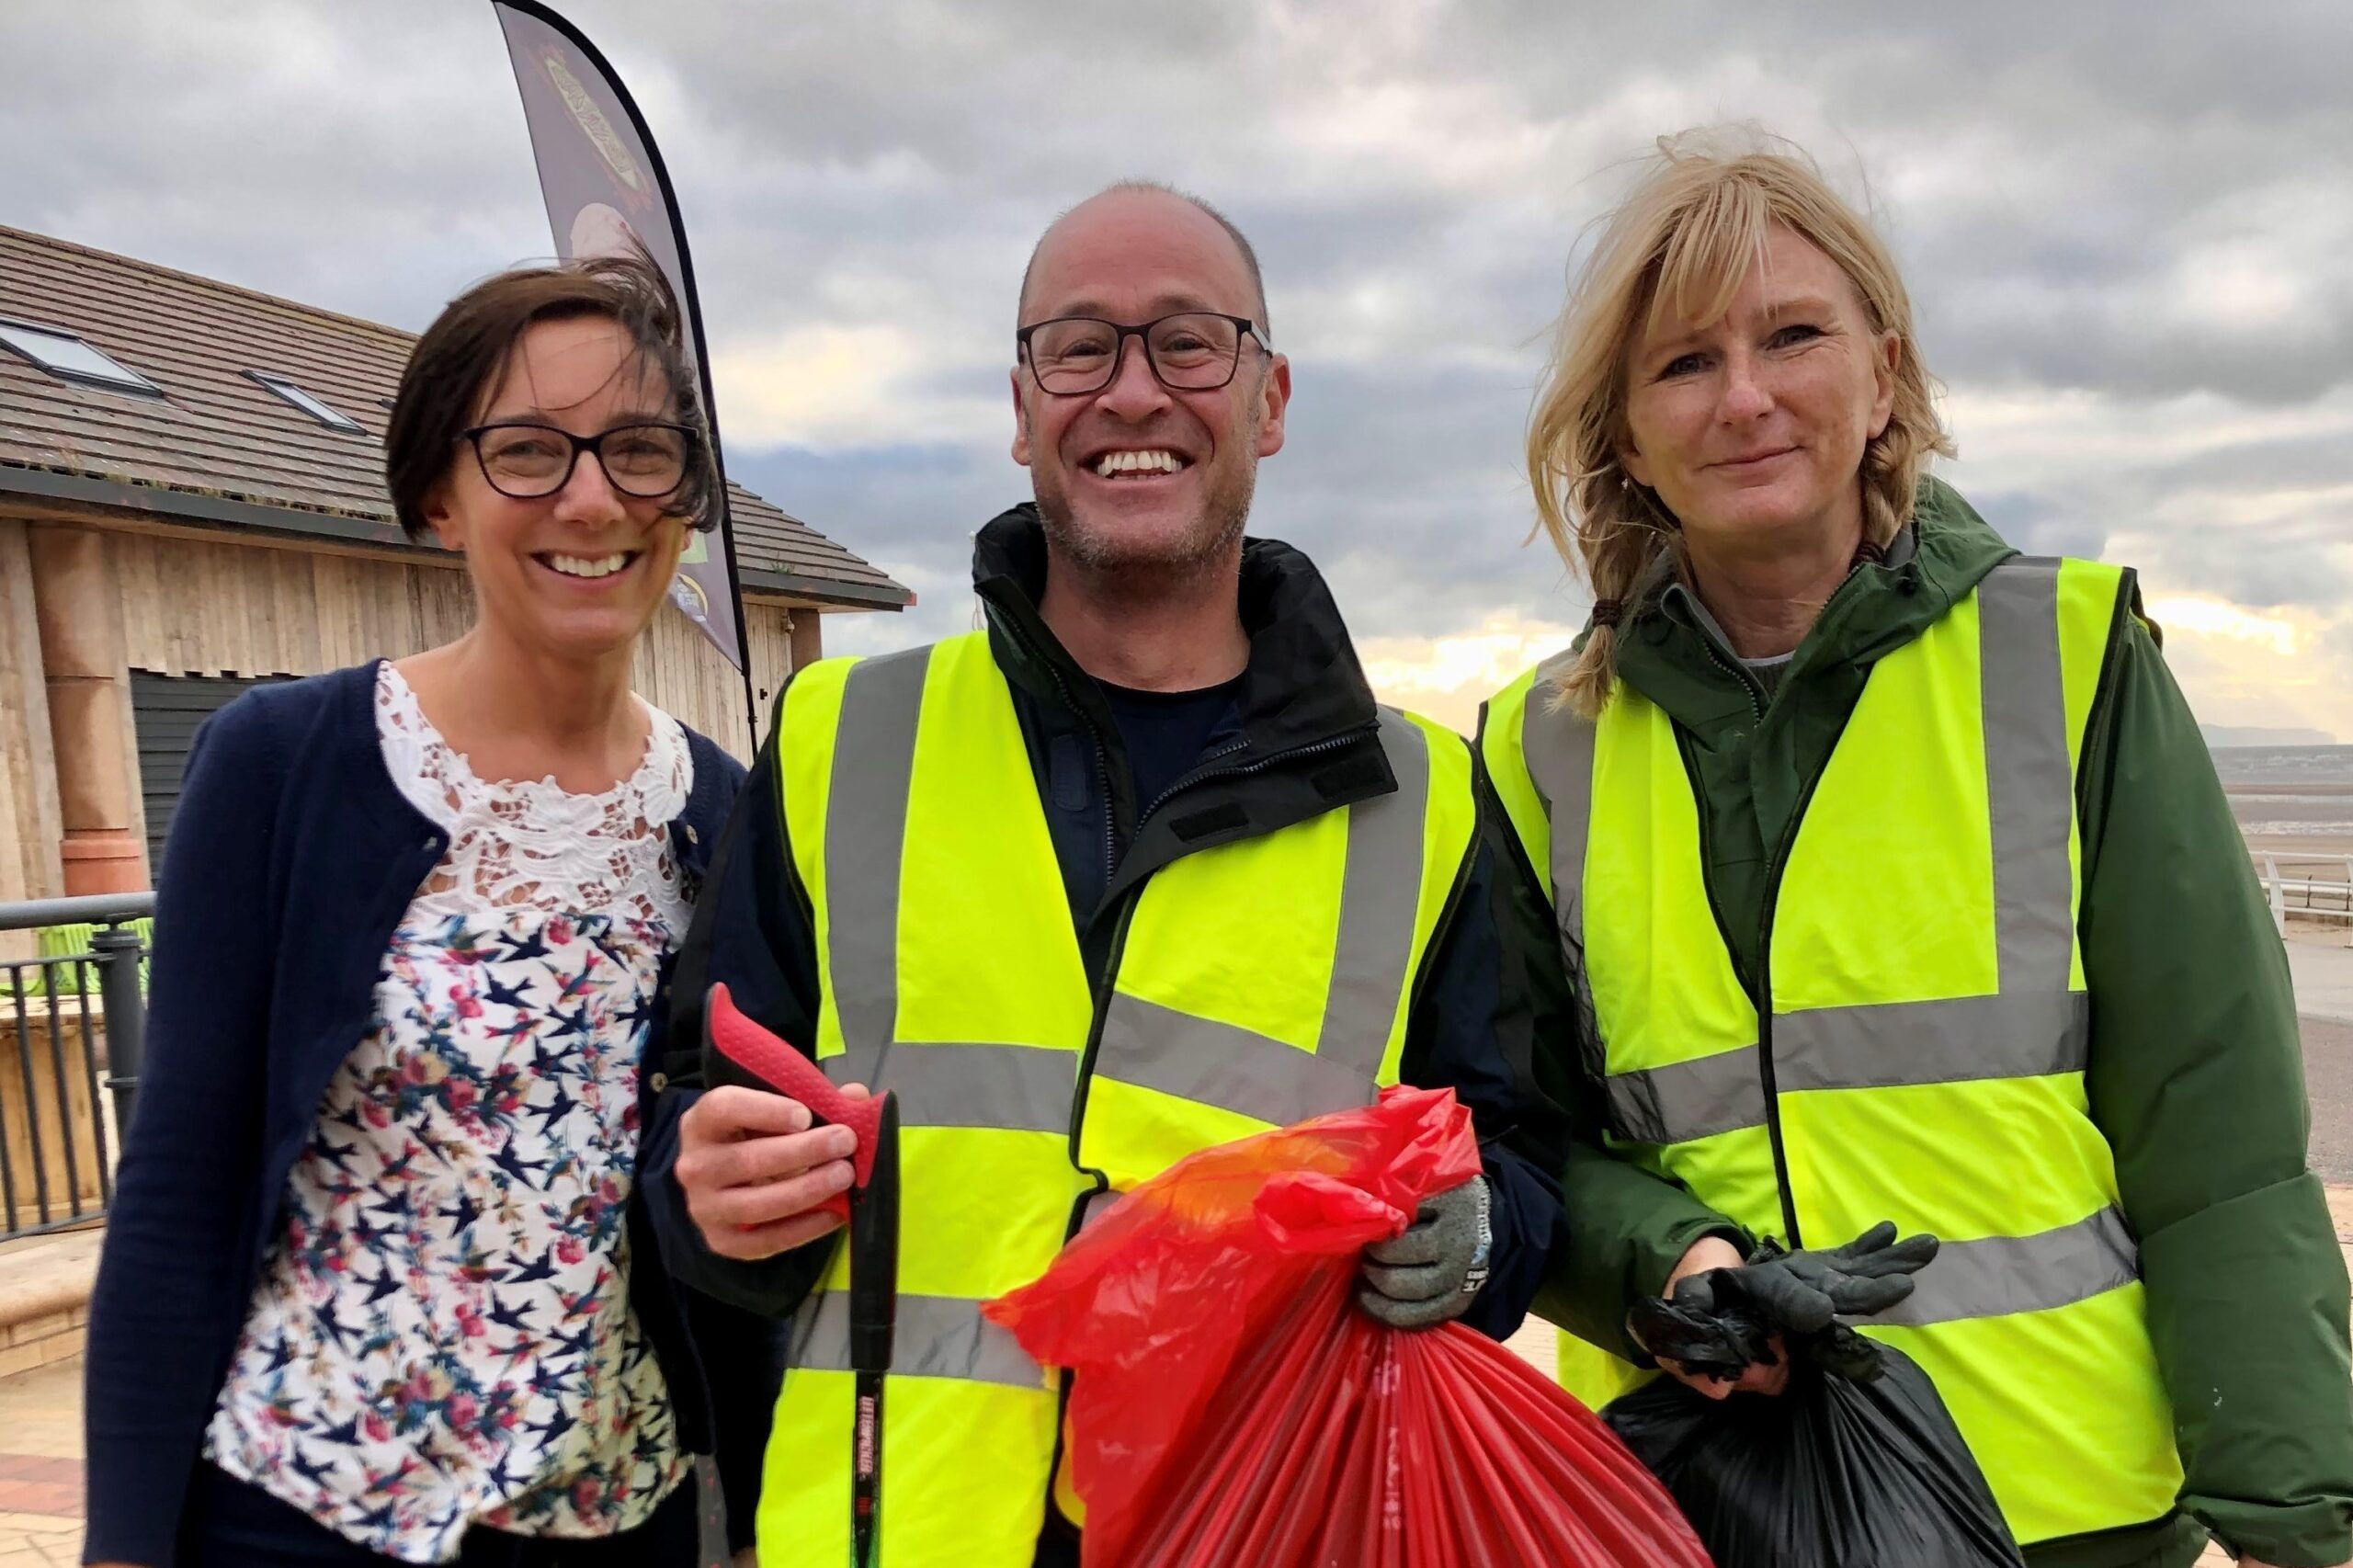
(1723, 1320)
(1805, 1292)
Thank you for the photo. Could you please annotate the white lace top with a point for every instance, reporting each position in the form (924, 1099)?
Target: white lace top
(441, 1335)
(530, 843)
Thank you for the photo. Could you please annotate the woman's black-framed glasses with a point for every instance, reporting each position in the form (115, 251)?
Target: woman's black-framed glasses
(527, 461)
(1190, 351)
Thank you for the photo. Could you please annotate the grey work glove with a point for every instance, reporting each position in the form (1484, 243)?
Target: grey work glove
(1431, 1274)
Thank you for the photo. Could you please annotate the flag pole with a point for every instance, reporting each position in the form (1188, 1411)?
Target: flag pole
(689, 305)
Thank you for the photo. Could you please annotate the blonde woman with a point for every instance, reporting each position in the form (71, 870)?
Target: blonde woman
(1875, 872)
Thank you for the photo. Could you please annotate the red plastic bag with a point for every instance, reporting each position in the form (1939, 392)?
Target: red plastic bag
(1232, 1404)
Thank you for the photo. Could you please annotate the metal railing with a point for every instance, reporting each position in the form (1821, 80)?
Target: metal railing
(2315, 887)
(73, 1028)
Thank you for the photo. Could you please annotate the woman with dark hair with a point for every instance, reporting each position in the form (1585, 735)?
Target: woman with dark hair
(376, 1283)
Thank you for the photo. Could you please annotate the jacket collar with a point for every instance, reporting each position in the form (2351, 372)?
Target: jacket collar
(1675, 654)
(1302, 685)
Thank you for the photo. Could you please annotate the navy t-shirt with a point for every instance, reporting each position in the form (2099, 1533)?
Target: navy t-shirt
(1165, 732)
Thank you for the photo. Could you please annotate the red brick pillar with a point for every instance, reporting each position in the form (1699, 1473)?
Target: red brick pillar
(808, 637)
(82, 657)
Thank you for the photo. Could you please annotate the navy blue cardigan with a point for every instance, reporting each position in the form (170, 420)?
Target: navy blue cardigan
(293, 857)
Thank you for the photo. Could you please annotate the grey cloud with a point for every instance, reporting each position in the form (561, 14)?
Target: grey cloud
(2040, 524)
(2295, 461)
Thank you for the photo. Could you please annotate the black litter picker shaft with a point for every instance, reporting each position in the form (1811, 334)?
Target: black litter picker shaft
(873, 1297)
(736, 1048)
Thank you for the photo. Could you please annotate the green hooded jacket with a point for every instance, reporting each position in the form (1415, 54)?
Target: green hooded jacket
(2196, 1073)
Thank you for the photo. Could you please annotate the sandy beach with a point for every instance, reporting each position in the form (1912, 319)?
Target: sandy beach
(2305, 827)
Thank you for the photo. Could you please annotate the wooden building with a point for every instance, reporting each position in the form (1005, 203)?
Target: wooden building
(191, 501)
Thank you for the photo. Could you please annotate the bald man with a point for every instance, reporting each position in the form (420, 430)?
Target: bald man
(1140, 868)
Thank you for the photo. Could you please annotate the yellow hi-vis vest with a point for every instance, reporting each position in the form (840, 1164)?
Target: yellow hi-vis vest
(1255, 982)
(1916, 1052)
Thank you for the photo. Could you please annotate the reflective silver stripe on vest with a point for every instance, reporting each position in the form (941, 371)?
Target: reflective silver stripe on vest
(1256, 1075)
(1022, 1087)
(866, 841)
(1887, 1045)
(2030, 783)
(1685, 1100)
(1013, 1087)
(1960, 1041)
(1558, 747)
(1380, 891)
(934, 1336)
(2000, 1275)
(1217, 1064)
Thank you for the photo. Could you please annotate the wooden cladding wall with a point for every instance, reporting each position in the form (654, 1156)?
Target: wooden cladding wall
(194, 606)
(29, 806)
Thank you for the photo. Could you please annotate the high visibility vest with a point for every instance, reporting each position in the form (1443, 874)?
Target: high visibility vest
(1916, 1045)
(1253, 983)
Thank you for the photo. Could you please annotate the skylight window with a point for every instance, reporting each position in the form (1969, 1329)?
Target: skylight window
(66, 356)
(307, 404)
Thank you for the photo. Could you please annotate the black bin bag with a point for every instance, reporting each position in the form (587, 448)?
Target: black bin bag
(1856, 1464)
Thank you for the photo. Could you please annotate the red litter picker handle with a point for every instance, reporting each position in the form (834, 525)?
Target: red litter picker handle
(775, 1064)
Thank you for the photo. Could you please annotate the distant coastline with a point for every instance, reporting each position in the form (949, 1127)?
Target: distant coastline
(2234, 735)
(2290, 801)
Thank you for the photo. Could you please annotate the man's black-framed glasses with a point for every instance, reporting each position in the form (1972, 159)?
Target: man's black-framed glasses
(527, 461)
(1190, 351)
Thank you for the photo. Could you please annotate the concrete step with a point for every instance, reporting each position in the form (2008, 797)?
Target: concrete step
(45, 1297)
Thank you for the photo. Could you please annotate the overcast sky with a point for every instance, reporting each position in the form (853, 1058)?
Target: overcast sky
(2128, 230)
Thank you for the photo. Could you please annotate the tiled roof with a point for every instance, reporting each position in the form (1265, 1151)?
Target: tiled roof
(220, 445)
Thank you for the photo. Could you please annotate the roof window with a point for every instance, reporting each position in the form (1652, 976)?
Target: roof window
(66, 356)
(306, 402)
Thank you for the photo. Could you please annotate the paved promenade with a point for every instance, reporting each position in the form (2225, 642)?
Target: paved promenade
(2323, 966)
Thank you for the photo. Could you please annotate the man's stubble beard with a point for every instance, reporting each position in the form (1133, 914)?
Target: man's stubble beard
(1110, 557)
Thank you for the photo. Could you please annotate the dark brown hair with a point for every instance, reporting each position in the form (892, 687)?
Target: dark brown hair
(458, 360)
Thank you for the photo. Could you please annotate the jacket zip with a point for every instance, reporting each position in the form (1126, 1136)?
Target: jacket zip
(1103, 987)
(1732, 667)
(1759, 997)
(1764, 1005)
(1189, 780)
(1098, 1182)
(1095, 738)
(1202, 773)
(1761, 985)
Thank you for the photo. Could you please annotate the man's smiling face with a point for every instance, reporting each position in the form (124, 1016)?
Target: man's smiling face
(1138, 478)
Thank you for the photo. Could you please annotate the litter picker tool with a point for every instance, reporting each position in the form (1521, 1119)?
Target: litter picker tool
(870, 1209)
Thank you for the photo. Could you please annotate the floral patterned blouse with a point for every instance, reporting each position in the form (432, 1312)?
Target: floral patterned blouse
(441, 1335)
